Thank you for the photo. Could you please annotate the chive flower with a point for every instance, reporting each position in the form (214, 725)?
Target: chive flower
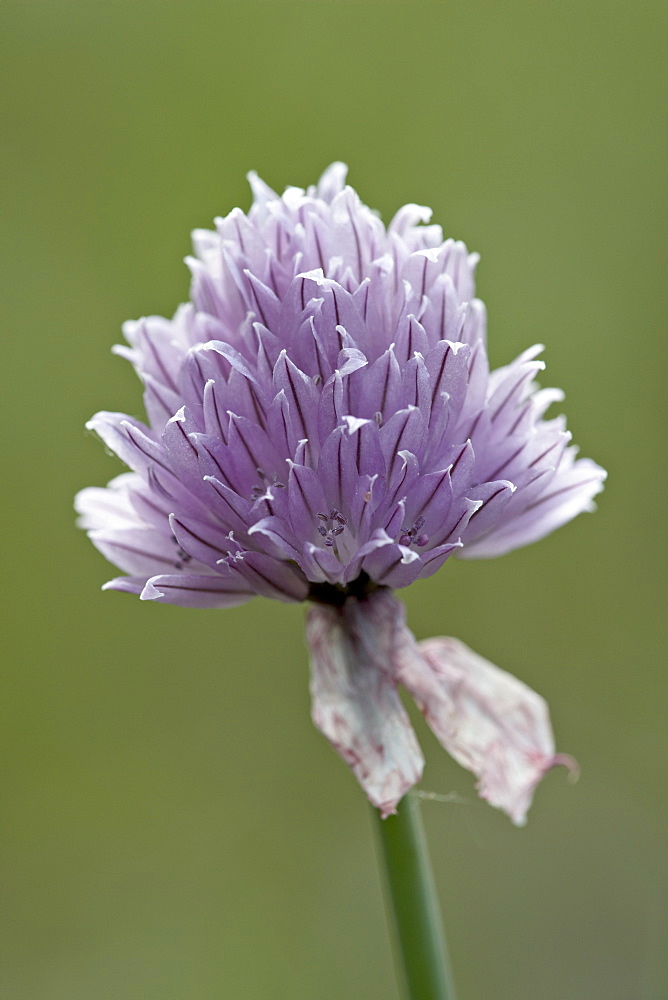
(322, 426)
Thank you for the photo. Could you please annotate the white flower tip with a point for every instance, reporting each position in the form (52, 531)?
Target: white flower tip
(179, 417)
(150, 593)
(260, 190)
(336, 169)
(431, 253)
(332, 181)
(354, 424)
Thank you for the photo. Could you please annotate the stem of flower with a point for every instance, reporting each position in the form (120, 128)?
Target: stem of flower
(411, 896)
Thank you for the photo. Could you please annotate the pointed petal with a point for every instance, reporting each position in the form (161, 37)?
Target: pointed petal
(320, 564)
(126, 584)
(207, 543)
(448, 366)
(389, 563)
(332, 181)
(568, 494)
(107, 506)
(270, 577)
(138, 550)
(129, 439)
(273, 535)
(377, 388)
(302, 396)
(417, 385)
(189, 591)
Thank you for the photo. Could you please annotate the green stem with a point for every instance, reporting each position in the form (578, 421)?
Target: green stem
(412, 898)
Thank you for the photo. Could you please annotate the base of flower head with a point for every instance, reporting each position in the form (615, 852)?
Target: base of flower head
(336, 595)
(488, 720)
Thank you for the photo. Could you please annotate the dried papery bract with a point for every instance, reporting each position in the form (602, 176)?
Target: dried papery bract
(323, 425)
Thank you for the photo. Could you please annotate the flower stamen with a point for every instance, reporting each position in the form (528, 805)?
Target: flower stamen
(268, 480)
(332, 525)
(182, 557)
(413, 535)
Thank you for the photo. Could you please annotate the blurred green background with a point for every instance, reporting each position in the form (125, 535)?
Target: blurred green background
(174, 826)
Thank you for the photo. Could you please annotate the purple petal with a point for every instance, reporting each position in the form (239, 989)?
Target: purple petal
(332, 181)
(448, 367)
(493, 499)
(335, 397)
(129, 439)
(214, 411)
(430, 498)
(251, 457)
(181, 450)
(274, 536)
(270, 577)
(567, 496)
(417, 385)
(410, 338)
(263, 301)
(321, 565)
(156, 353)
(189, 591)
(377, 389)
(462, 467)
(302, 397)
(433, 559)
(126, 584)
(404, 431)
(306, 500)
(389, 563)
(338, 322)
(421, 270)
(204, 542)
(442, 318)
(107, 506)
(161, 403)
(229, 507)
(138, 550)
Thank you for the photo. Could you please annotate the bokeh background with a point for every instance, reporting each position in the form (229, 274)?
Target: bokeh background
(175, 829)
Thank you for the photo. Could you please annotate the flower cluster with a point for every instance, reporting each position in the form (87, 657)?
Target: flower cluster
(323, 425)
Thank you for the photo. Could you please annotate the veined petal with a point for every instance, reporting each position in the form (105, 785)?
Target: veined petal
(188, 591)
(207, 543)
(108, 506)
(139, 550)
(126, 584)
(302, 397)
(567, 495)
(377, 389)
(389, 563)
(270, 577)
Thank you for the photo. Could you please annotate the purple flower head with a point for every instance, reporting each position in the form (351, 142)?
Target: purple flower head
(323, 425)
